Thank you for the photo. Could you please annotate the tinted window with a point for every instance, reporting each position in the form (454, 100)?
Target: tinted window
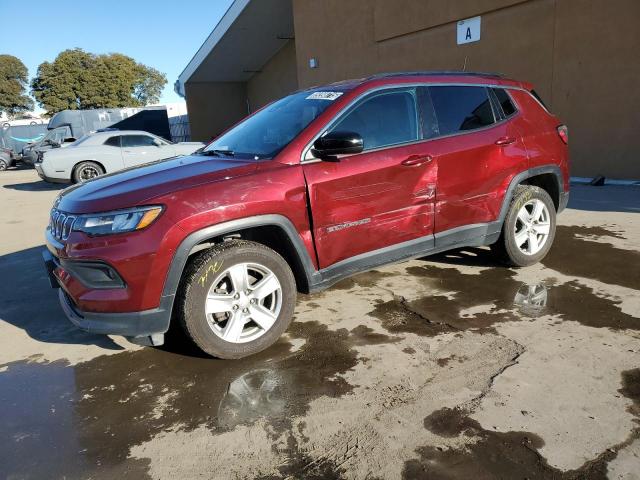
(137, 141)
(505, 102)
(111, 141)
(383, 119)
(461, 108)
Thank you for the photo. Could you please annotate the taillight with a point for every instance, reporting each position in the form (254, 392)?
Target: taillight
(563, 133)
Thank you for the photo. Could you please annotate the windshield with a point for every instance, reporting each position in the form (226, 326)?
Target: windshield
(267, 132)
(56, 135)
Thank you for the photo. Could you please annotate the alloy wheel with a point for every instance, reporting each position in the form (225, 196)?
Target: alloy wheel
(532, 227)
(243, 302)
(88, 172)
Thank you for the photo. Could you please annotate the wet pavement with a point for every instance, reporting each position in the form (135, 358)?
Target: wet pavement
(445, 367)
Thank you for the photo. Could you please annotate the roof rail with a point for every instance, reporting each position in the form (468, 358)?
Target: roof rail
(436, 72)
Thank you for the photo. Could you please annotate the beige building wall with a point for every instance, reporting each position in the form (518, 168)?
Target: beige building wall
(580, 54)
(214, 106)
(276, 79)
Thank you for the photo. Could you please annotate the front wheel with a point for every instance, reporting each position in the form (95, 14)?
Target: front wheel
(3, 164)
(529, 227)
(236, 299)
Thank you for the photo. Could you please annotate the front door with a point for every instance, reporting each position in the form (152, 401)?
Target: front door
(378, 198)
(139, 149)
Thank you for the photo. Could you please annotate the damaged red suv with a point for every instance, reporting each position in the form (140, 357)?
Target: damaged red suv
(319, 185)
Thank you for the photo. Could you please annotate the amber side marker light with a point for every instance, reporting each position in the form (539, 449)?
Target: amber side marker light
(563, 133)
(148, 218)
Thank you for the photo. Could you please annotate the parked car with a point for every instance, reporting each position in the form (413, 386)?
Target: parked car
(58, 137)
(105, 152)
(6, 158)
(319, 185)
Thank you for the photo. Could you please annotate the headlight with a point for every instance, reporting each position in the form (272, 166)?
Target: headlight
(117, 222)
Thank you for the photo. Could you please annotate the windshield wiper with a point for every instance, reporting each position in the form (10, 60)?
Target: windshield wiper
(217, 153)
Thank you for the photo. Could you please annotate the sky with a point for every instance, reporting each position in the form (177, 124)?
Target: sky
(162, 34)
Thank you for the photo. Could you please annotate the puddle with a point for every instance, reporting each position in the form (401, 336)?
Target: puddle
(363, 280)
(503, 298)
(82, 419)
(491, 454)
(631, 389)
(580, 257)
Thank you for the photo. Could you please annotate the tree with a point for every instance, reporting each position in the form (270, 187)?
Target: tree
(14, 78)
(77, 80)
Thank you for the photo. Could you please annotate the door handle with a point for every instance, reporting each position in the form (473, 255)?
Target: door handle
(416, 160)
(502, 141)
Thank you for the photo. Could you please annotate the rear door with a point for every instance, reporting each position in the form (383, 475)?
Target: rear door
(478, 151)
(138, 149)
(382, 196)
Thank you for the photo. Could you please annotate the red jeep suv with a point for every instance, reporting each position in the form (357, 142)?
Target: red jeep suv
(319, 185)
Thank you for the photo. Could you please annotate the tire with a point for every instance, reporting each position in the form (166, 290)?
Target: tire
(510, 247)
(3, 165)
(208, 274)
(86, 171)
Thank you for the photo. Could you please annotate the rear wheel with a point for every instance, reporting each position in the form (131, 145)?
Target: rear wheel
(3, 164)
(86, 171)
(529, 228)
(236, 299)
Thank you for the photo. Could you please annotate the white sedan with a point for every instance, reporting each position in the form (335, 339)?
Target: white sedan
(105, 152)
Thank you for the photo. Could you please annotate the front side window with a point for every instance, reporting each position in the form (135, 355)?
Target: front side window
(137, 141)
(267, 132)
(383, 119)
(461, 108)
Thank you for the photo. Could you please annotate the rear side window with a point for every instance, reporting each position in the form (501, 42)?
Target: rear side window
(137, 141)
(383, 119)
(508, 108)
(461, 108)
(112, 141)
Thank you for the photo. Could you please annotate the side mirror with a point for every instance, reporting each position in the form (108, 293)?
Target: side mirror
(157, 142)
(337, 143)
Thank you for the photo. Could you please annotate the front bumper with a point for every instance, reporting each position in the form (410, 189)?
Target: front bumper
(145, 327)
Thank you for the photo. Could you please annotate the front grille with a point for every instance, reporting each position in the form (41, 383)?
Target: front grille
(60, 224)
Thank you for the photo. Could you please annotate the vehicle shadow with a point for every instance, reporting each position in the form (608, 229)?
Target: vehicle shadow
(37, 186)
(28, 302)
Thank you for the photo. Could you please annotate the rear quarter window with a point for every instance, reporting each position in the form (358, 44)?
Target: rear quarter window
(537, 97)
(506, 104)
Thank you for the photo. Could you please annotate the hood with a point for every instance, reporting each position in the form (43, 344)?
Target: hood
(135, 186)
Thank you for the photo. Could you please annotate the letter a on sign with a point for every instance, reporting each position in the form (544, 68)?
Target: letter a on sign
(469, 30)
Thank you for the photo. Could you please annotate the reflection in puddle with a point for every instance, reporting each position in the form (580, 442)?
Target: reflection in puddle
(80, 421)
(251, 396)
(531, 300)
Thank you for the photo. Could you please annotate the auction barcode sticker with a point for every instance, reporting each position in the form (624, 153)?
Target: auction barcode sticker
(324, 96)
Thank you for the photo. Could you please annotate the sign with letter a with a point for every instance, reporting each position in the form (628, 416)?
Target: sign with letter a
(469, 30)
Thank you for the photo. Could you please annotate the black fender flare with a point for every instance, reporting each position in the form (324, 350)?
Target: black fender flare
(185, 248)
(520, 177)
